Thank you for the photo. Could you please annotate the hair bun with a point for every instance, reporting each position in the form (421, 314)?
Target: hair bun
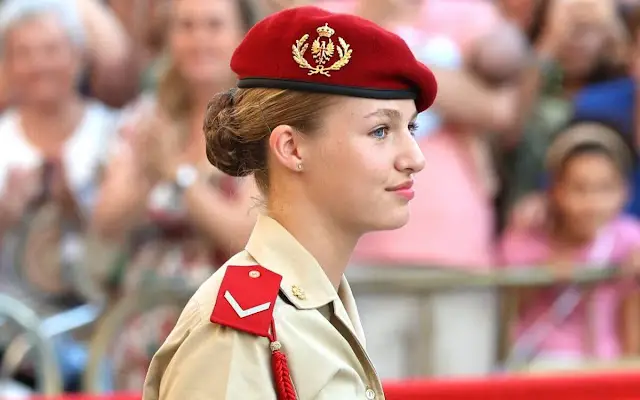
(225, 148)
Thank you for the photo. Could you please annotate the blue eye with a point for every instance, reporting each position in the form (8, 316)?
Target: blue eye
(380, 133)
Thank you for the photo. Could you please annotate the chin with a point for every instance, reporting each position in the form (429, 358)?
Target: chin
(391, 220)
(205, 74)
(46, 97)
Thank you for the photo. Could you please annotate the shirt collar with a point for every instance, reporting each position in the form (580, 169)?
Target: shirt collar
(348, 304)
(304, 282)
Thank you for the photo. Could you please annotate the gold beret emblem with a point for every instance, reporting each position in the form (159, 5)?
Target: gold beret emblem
(322, 50)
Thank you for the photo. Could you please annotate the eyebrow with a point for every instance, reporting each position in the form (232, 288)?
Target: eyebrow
(389, 113)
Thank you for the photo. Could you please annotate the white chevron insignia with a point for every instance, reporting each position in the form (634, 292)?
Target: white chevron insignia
(242, 313)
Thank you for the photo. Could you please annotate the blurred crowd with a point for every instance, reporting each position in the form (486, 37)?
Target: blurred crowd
(531, 154)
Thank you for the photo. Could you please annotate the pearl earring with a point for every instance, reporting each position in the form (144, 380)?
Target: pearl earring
(299, 166)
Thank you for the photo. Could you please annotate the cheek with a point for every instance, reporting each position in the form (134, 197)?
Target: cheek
(15, 67)
(184, 40)
(616, 199)
(362, 161)
(334, 163)
(180, 45)
(590, 47)
(568, 202)
(349, 168)
(67, 62)
(229, 38)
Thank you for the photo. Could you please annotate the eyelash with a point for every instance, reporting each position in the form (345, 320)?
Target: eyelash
(413, 128)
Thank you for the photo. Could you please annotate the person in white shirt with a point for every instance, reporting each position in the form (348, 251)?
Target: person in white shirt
(41, 45)
(42, 48)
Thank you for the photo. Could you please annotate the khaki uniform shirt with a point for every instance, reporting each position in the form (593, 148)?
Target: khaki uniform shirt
(319, 329)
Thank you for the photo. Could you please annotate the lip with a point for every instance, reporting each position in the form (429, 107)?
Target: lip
(404, 190)
(403, 186)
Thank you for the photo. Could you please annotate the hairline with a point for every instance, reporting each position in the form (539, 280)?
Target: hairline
(72, 29)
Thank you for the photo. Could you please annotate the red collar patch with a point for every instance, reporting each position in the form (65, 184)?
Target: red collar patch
(246, 299)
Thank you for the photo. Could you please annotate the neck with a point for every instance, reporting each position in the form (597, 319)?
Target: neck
(199, 101)
(201, 92)
(566, 238)
(330, 245)
(51, 110)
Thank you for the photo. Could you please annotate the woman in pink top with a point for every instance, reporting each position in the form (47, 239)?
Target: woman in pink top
(562, 326)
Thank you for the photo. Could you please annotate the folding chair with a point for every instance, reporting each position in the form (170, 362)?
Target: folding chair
(124, 325)
(46, 252)
(48, 375)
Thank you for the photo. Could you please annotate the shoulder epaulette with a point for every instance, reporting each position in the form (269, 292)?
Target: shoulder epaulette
(246, 299)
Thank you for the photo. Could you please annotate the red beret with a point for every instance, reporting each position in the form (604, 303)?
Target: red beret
(314, 50)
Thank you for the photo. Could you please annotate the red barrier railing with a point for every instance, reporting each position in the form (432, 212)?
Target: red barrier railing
(609, 386)
(618, 386)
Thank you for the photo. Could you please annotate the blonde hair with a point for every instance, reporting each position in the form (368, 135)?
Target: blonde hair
(238, 124)
(173, 94)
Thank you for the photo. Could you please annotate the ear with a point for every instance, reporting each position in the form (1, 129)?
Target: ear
(284, 142)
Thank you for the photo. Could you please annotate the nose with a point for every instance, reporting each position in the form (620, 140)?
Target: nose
(410, 159)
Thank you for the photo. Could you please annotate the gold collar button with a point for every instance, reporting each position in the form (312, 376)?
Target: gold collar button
(298, 292)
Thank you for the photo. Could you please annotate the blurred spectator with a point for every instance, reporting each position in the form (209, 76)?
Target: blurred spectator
(588, 163)
(111, 74)
(42, 46)
(500, 56)
(527, 14)
(50, 128)
(615, 101)
(162, 139)
(200, 215)
(581, 44)
(147, 21)
(106, 54)
(461, 20)
(146, 25)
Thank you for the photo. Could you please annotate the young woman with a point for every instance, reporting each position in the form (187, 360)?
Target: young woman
(323, 117)
(588, 163)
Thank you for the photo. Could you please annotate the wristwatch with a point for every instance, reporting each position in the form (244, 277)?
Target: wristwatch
(186, 175)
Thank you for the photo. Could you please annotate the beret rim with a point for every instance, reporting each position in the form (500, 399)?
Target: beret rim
(342, 90)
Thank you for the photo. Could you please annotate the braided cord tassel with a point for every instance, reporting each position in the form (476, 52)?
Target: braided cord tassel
(281, 374)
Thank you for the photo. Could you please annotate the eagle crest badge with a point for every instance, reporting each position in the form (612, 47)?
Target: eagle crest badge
(323, 51)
